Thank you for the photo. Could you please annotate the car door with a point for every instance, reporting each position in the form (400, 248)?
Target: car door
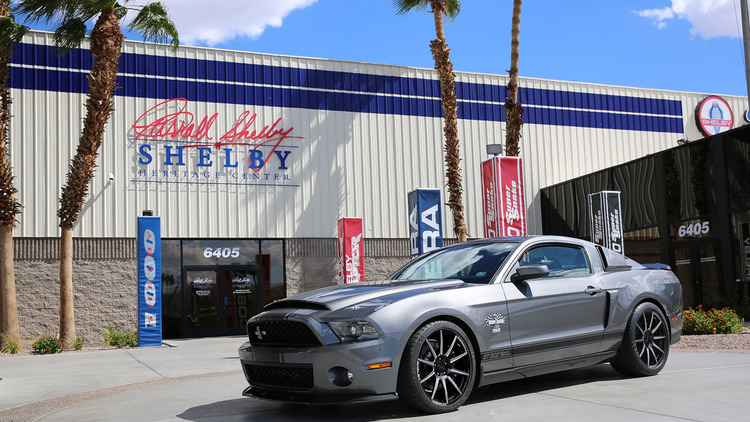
(557, 317)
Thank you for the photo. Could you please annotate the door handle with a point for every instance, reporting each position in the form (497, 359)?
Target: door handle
(591, 290)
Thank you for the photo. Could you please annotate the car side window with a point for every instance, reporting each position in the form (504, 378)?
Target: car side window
(562, 261)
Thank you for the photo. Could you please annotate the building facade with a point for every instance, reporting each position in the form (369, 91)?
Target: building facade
(250, 159)
(688, 206)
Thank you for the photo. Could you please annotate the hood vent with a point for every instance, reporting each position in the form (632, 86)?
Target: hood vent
(296, 304)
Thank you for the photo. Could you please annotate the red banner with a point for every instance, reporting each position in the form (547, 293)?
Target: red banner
(351, 250)
(503, 200)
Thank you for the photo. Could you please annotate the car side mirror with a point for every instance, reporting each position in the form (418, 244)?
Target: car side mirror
(528, 272)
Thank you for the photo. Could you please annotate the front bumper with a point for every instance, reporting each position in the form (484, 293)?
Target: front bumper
(331, 373)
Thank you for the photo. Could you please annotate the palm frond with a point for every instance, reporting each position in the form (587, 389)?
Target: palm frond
(452, 8)
(69, 35)
(11, 32)
(154, 24)
(62, 10)
(406, 6)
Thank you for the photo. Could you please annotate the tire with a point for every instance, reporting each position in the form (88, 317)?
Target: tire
(645, 345)
(438, 369)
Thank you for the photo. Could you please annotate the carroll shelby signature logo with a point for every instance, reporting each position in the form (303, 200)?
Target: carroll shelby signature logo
(494, 321)
(171, 120)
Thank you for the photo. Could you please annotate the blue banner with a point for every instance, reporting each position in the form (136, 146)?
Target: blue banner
(149, 281)
(425, 221)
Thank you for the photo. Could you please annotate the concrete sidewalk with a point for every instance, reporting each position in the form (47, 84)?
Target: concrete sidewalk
(201, 380)
(33, 379)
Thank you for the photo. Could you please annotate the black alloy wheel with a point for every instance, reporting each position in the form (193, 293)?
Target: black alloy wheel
(645, 346)
(439, 368)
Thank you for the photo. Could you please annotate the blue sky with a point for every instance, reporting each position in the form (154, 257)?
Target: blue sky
(682, 45)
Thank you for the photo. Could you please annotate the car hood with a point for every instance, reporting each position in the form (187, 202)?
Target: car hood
(348, 295)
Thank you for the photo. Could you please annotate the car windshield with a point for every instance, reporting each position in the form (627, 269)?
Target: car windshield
(473, 263)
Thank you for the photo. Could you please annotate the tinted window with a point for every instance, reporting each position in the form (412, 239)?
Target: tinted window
(475, 263)
(562, 261)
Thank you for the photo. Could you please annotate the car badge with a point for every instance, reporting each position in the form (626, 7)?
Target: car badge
(259, 333)
(494, 321)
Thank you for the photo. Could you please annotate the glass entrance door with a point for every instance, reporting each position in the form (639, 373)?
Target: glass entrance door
(220, 299)
(242, 293)
(697, 269)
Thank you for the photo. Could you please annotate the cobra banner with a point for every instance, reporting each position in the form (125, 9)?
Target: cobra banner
(606, 220)
(503, 200)
(351, 250)
(149, 281)
(425, 221)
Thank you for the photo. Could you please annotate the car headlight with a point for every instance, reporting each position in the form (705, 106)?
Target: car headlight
(354, 330)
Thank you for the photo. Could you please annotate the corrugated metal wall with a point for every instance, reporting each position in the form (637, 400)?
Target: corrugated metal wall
(360, 137)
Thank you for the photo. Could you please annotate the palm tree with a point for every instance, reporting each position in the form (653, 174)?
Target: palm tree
(513, 109)
(10, 35)
(71, 16)
(441, 55)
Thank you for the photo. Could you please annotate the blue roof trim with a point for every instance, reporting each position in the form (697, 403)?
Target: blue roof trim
(227, 82)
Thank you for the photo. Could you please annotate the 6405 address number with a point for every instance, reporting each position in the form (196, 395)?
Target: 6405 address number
(695, 229)
(221, 253)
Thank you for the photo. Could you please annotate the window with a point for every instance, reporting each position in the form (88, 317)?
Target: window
(562, 261)
(472, 263)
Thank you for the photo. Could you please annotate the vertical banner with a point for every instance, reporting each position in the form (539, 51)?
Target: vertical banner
(605, 210)
(503, 200)
(149, 281)
(425, 221)
(351, 250)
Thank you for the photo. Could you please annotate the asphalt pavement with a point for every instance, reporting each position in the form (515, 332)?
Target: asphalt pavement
(201, 380)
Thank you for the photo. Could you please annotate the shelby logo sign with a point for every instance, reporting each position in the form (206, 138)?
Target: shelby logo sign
(503, 198)
(149, 281)
(713, 116)
(173, 146)
(425, 221)
(606, 220)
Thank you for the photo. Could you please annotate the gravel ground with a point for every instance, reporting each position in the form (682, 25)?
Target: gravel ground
(736, 343)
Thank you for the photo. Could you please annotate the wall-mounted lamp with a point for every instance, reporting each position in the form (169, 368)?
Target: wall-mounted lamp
(495, 149)
(111, 177)
(148, 213)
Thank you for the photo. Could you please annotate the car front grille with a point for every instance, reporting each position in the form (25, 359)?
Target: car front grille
(281, 334)
(292, 378)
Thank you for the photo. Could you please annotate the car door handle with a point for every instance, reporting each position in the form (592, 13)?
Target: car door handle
(593, 290)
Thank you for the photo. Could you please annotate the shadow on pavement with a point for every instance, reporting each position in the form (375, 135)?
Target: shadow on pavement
(248, 409)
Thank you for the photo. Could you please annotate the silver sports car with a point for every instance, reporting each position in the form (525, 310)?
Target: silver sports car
(464, 316)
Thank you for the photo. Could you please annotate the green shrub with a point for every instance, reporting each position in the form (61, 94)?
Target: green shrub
(78, 343)
(10, 345)
(118, 338)
(46, 345)
(713, 321)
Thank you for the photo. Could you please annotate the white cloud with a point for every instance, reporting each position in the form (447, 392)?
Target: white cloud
(709, 18)
(201, 22)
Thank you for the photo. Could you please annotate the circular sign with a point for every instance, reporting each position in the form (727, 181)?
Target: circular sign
(747, 116)
(713, 116)
(149, 267)
(149, 294)
(149, 241)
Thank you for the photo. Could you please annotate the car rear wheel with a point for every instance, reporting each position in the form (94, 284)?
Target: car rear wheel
(438, 369)
(645, 346)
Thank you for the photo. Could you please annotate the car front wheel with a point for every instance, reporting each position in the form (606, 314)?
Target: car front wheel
(645, 345)
(438, 369)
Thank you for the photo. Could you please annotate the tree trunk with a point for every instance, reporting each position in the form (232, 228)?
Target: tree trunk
(513, 109)
(106, 45)
(8, 274)
(67, 316)
(441, 54)
(9, 207)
